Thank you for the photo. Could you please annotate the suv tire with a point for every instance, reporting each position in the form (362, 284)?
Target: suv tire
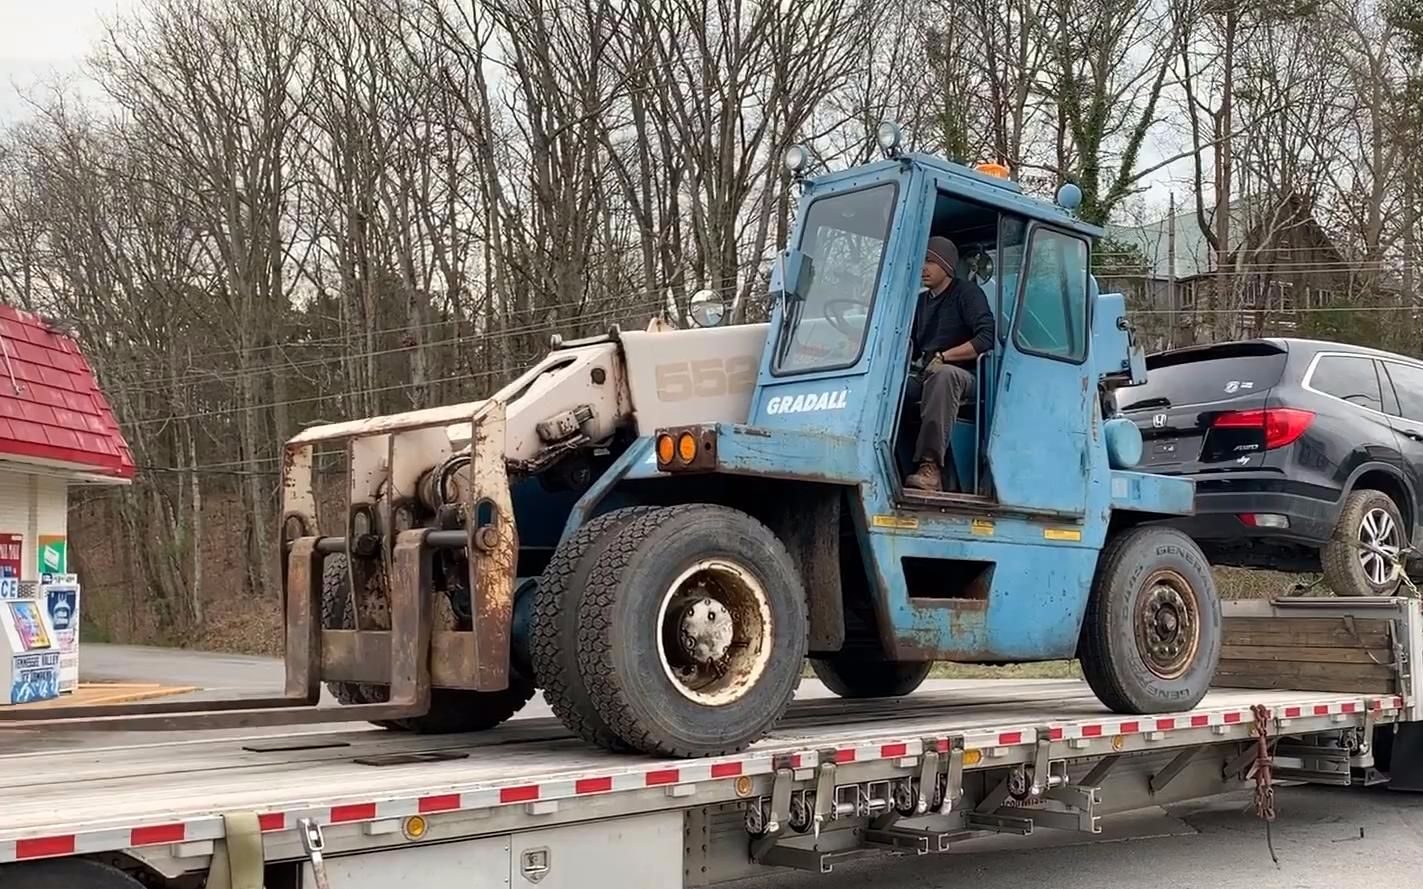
(1368, 516)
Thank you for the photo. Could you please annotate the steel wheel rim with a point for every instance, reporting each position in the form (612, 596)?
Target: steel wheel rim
(1168, 625)
(714, 631)
(1379, 545)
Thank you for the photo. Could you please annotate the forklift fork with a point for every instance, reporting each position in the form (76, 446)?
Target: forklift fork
(409, 655)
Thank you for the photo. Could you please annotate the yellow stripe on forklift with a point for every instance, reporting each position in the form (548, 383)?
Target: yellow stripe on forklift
(903, 523)
(1062, 534)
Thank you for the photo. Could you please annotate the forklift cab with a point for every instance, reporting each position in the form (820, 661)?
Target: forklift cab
(847, 290)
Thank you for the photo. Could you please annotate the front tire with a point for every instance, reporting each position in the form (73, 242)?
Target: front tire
(1151, 637)
(692, 631)
(1361, 558)
(855, 677)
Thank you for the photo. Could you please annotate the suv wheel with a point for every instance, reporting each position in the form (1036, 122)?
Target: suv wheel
(1363, 557)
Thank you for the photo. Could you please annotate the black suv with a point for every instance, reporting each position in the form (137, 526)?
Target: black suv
(1307, 455)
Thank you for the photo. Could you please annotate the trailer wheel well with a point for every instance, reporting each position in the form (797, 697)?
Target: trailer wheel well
(68, 873)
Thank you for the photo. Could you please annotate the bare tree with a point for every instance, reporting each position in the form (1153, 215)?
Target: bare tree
(218, 93)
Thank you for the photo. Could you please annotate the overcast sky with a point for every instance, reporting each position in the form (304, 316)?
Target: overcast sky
(40, 38)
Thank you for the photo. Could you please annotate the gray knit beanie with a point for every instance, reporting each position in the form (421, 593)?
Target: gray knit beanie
(943, 253)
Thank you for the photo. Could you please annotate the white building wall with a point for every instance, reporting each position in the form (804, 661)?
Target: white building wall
(32, 505)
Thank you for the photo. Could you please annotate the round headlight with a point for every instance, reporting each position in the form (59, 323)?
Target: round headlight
(889, 136)
(797, 159)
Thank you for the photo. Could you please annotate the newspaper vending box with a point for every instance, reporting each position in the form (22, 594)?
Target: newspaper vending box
(29, 650)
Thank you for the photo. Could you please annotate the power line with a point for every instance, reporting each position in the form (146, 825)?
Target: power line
(193, 376)
(658, 292)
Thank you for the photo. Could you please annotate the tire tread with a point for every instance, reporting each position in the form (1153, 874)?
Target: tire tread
(553, 649)
(594, 646)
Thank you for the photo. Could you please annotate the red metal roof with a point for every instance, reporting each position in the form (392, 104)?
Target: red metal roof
(50, 404)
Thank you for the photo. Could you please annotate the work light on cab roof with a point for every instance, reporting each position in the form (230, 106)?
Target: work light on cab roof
(890, 137)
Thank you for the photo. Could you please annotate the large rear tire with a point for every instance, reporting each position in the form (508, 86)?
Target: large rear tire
(692, 631)
(858, 677)
(553, 629)
(1151, 636)
(451, 709)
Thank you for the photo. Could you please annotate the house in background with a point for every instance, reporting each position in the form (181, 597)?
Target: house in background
(1283, 262)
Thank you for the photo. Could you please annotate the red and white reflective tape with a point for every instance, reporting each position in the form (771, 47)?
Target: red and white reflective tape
(668, 775)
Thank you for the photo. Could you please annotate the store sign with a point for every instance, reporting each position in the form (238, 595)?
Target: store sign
(53, 554)
(12, 554)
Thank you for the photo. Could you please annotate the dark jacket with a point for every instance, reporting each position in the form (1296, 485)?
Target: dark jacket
(958, 315)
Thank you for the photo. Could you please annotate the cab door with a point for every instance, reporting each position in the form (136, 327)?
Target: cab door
(1038, 443)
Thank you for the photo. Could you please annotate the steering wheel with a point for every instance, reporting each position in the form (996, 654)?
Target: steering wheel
(836, 316)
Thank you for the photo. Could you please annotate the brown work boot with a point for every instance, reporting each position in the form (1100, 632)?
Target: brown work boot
(927, 477)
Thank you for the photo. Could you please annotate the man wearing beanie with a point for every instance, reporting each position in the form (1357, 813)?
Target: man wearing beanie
(952, 327)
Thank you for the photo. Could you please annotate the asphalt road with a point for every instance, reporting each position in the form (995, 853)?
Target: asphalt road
(1333, 838)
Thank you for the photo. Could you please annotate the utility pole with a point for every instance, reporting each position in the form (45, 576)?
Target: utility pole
(1172, 297)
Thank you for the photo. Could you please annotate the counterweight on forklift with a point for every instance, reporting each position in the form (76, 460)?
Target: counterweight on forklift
(657, 528)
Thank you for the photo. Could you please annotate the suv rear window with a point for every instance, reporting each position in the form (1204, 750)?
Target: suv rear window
(1204, 374)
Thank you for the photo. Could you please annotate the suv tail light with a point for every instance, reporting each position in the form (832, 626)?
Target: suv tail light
(1282, 425)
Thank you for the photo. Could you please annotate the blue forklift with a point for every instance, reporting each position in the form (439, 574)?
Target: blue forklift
(660, 528)
(792, 534)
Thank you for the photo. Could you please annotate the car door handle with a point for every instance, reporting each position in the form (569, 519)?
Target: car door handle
(1416, 436)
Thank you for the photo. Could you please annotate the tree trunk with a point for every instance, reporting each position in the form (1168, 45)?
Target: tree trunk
(1224, 125)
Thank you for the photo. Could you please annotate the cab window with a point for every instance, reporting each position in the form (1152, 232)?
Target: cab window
(844, 238)
(1052, 316)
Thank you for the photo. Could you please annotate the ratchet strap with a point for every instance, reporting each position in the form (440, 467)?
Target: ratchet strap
(237, 859)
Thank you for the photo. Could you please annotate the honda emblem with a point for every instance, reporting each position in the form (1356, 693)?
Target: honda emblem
(1158, 421)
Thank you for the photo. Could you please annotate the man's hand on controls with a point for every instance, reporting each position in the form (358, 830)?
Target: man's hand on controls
(961, 352)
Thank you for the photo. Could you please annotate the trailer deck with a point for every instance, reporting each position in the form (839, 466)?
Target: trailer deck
(111, 799)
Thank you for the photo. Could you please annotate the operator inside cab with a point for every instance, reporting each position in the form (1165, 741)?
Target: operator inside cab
(953, 325)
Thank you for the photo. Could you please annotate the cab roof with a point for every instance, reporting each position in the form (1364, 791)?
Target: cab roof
(968, 183)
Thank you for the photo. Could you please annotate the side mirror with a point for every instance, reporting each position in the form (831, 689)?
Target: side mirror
(706, 308)
(1118, 358)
